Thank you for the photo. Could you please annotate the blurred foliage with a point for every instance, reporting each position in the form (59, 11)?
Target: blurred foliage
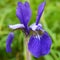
(50, 21)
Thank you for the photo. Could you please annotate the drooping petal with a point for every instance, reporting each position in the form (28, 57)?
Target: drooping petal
(46, 44)
(17, 26)
(40, 46)
(9, 41)
(23, 12)
(40, 11)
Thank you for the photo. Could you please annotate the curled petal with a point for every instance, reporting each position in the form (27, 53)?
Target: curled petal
(40, 11)
(36, 29)
(16, 26)
(23, 12)
(34, 26)
(40, 46)
(9, 41)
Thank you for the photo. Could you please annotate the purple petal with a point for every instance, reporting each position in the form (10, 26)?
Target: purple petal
(40, 46)
(9, 41)
(16, 26)
(23, 12)
(27, 4)
(40, 11)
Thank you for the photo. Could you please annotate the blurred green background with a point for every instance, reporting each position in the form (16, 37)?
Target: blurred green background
(50, 21)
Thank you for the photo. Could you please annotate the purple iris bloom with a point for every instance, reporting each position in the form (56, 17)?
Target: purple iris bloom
(40, 42)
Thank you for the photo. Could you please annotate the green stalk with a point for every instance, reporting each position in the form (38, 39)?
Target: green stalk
(27, 55)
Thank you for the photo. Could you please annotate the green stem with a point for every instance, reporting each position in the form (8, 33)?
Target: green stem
(27, 55)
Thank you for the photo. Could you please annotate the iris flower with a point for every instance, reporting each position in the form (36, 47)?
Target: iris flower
(40, 42)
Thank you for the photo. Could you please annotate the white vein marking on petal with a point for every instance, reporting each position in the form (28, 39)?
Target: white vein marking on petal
(38, 36)
(16, 26)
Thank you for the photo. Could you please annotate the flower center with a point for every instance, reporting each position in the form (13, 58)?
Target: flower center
(38, 34)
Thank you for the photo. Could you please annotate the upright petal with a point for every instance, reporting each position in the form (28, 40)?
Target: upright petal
(40, 11)
(19, 11)
(40, 46)
(9, 41)
(23, 12)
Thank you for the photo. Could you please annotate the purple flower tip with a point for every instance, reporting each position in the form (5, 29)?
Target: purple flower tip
(9, 41)
(40, 11)
(20, 3)
(27, 4)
